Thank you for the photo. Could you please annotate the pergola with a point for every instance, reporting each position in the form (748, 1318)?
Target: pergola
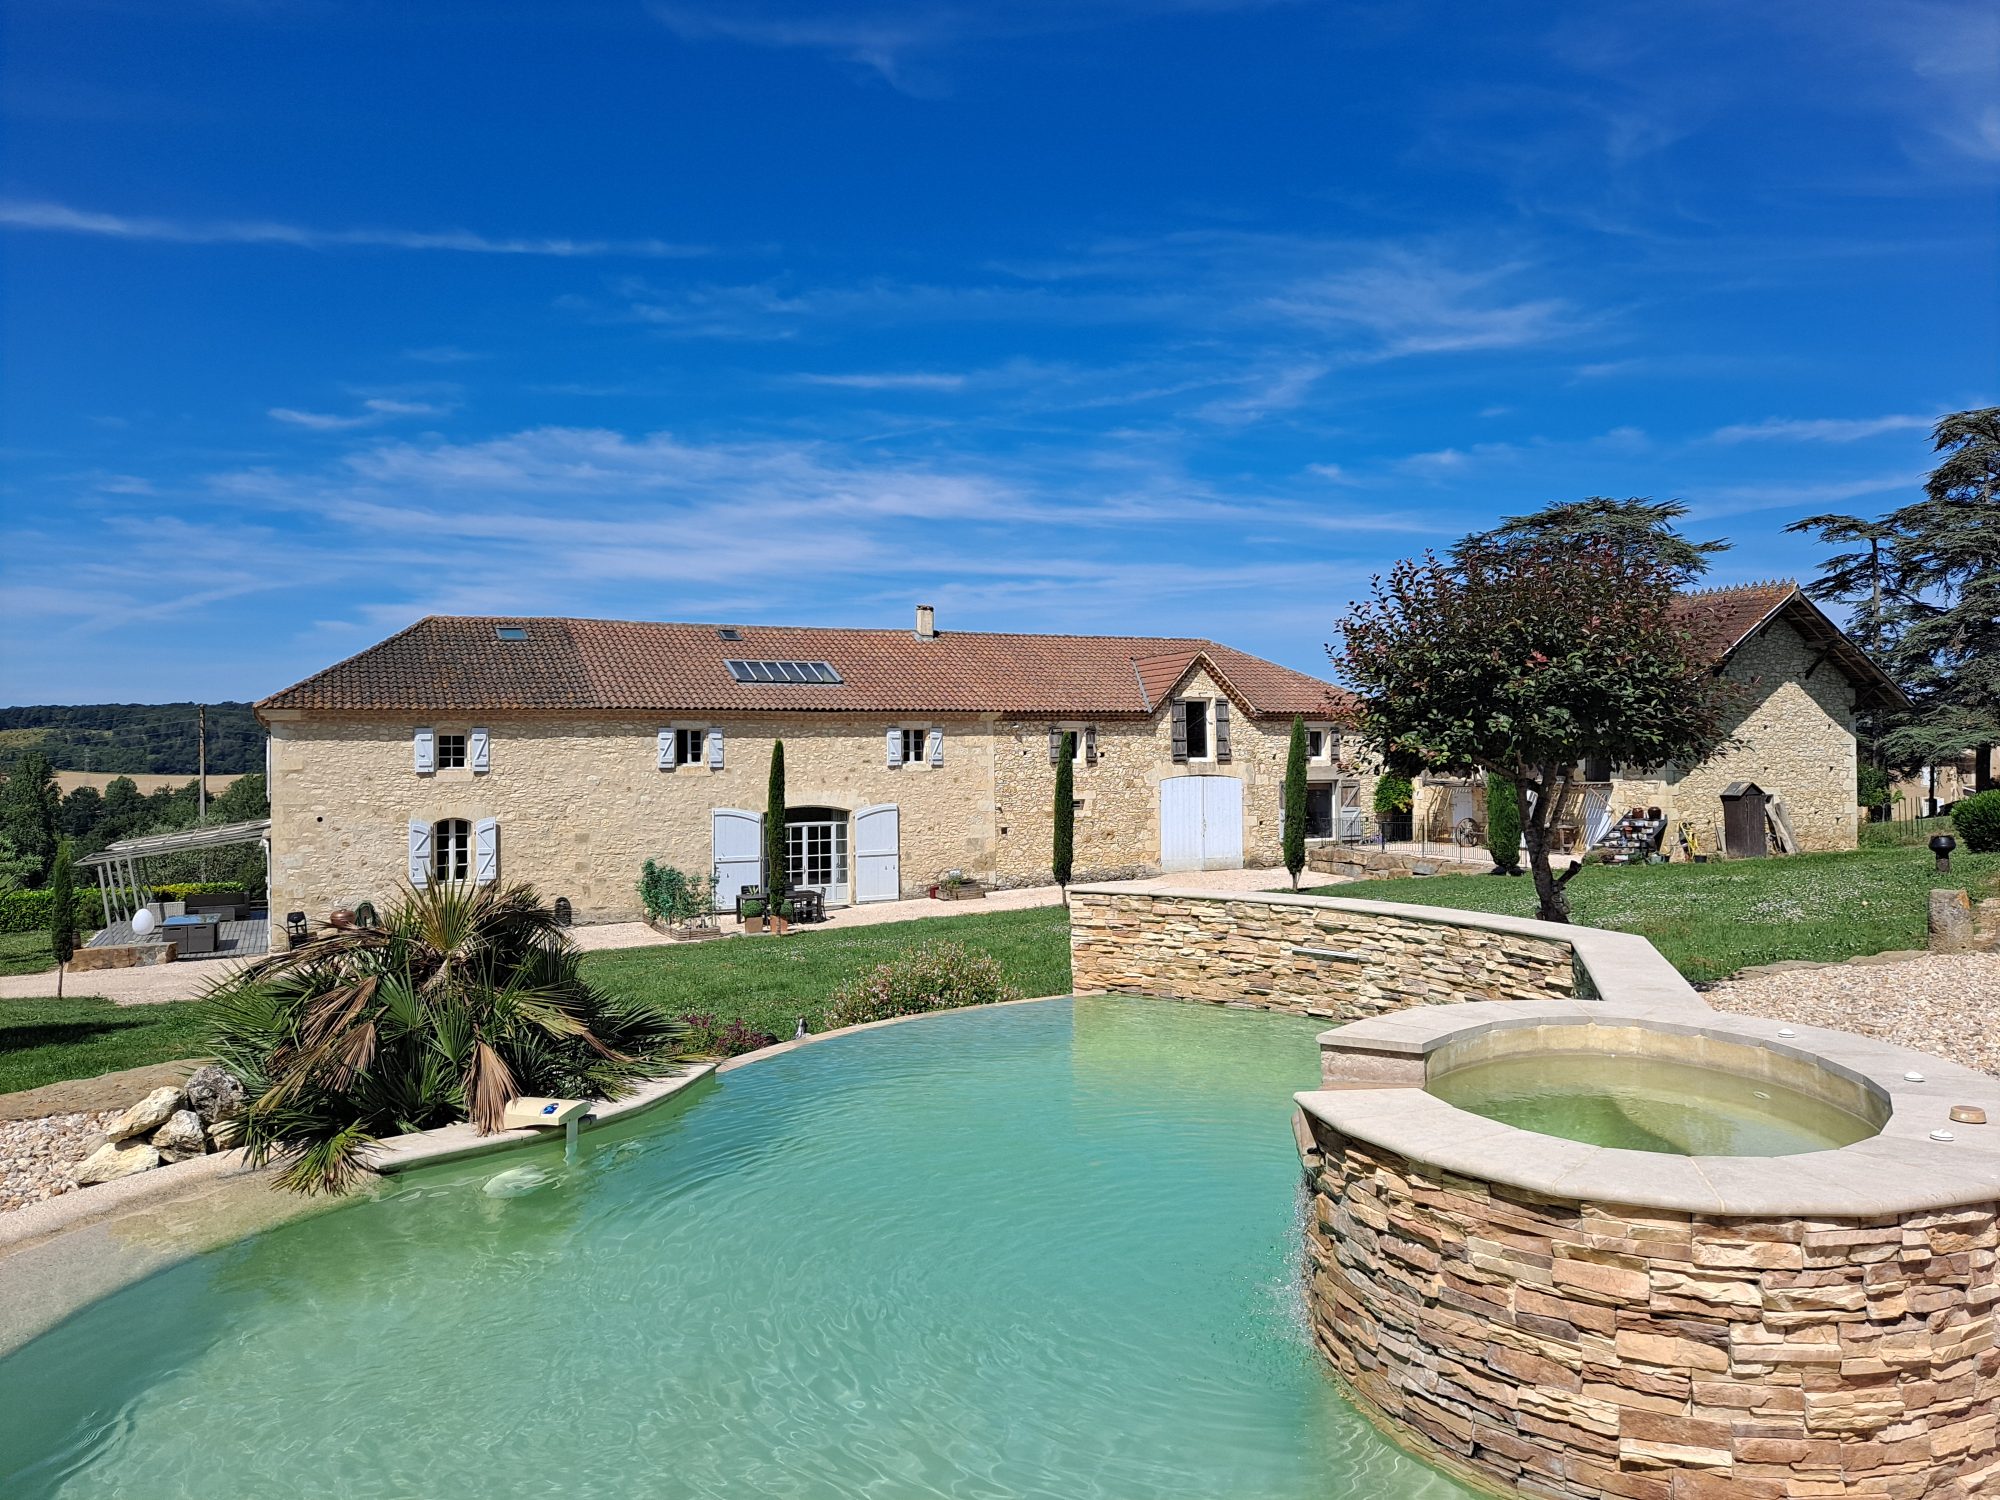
(121, 867)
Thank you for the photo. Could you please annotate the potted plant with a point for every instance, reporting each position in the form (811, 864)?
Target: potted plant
(753, 915)
(781, 917)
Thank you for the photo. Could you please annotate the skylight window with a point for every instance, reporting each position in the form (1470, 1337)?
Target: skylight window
(729, 633)
(511, 632)
(817, 672)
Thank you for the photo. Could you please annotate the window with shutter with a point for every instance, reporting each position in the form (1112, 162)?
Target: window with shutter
(715, 749)
(1222, 729)
(892, 748)
(423, 747)
(476, 751)
(665, 746)
(420, 854)
(1180, 723)
(1090, 745)
(1055, 744)
(937, 747)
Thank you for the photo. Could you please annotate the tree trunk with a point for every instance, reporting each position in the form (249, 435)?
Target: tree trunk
(1550, 788)
(59, 979)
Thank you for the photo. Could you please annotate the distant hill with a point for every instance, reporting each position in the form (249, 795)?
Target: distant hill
(133, 737)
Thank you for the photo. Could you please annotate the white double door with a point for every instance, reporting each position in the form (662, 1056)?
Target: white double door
(1201, 823)
(817, 850)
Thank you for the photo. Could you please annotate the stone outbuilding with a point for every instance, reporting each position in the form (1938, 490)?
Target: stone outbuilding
(566, 752)
(1802, 683)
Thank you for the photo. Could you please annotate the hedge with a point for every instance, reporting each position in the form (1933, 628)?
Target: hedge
(29, 911)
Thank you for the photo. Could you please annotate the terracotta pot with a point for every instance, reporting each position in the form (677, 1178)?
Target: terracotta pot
(753, 924)
(781, 925)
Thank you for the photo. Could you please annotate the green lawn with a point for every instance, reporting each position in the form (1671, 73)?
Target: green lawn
(48, 1041)
(25, 953)
(768, 983)
(1711, 920)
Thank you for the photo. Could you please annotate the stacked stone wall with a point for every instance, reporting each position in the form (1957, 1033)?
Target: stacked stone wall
(1308, 959)
(1585, 1350)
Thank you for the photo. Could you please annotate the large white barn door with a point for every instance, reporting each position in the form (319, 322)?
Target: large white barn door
(1201, 823)
(739, 854)
(878, 859)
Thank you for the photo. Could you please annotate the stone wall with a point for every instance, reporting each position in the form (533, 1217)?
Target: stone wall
(1299, 954)
(1587, 1350)
(581, 802)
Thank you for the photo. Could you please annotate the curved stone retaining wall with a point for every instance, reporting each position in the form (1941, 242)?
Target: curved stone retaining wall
(1311, 955)
(1585, 1349)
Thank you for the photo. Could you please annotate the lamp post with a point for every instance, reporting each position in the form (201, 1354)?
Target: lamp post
(1941, 845)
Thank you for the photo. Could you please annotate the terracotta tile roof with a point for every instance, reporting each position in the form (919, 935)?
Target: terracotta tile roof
(460, 663)
(1723, 619)
(1720, 620)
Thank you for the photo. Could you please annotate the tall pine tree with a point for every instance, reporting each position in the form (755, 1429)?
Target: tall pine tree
(1294, 835)
(1948, 561)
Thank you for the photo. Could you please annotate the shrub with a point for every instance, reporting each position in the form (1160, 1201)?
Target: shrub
(1871, 786)
(674, 896)
(464, 999)
(1503, 823)
(1393, 794)
(30, 911)
(1977, 819)
(932, 975)
(708, 1037)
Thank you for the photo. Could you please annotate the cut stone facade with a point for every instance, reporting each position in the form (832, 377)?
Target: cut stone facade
(1304, 958)
(581, 803)
(1587, 1350)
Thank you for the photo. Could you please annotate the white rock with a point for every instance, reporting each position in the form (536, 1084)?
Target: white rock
(181, 1137)
(119, 1159)
(148, 1114)
(224, 1135)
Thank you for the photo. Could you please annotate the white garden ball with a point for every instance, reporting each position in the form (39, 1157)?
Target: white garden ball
(142, 921)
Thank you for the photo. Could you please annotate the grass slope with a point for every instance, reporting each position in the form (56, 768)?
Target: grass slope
(25, 953)
(49, 1041)
(1712, 920)
(768, 983)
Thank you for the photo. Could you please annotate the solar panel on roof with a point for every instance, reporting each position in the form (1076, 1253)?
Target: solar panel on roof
(781, 671)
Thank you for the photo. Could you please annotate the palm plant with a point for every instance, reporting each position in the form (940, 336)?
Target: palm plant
(460, 999)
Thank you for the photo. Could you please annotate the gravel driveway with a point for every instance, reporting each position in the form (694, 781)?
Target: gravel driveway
(1944, 1003)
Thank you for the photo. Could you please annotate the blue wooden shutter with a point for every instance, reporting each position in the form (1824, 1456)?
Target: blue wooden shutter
(666, 750)
(892, 748)
(424, 750)
(715, 749)
(486, 851)
(936, 745)
(475, 750)
(420, 854)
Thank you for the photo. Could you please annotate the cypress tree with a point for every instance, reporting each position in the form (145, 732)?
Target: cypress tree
(776, 873)
(1295, 802)
(1065, 814)
(1503, 824)
(62, 913)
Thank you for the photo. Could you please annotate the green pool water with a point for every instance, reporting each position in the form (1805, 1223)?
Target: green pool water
(1042, 1251)
(1646, 1104)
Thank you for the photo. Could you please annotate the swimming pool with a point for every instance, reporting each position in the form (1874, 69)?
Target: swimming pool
(1042, 1250)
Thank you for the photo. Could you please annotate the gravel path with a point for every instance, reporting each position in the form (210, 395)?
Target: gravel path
(1944, 1003)
(36, 1155)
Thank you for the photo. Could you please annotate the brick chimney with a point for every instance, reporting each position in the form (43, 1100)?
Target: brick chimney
(926, 622)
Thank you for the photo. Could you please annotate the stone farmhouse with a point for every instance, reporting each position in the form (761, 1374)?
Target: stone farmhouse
(566, 752)
(1802, 682)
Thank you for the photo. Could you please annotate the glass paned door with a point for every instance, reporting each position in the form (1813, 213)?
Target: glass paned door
(816, 857)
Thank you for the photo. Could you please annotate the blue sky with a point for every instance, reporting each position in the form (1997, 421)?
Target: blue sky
(1092, 316)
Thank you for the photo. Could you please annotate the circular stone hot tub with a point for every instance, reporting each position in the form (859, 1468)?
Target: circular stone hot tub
(1641, 1088)
(1589, 1249)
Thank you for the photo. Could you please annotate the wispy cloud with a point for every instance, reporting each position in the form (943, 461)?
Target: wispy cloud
(915, 380)
(374, 411)
(1819, 429)
(59, 218)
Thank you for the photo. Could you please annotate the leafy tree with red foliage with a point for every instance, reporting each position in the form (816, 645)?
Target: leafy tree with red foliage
(1522, 657)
